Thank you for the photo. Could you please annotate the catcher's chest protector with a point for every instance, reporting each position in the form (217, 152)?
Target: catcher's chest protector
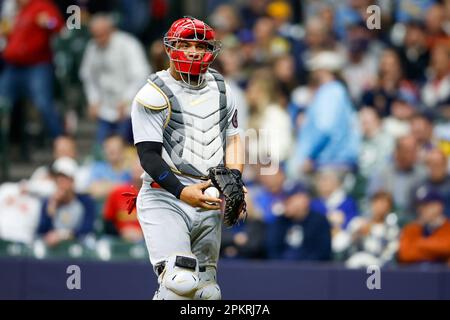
(195, 136)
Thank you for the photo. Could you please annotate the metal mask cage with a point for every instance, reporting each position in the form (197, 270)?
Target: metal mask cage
(213, 48)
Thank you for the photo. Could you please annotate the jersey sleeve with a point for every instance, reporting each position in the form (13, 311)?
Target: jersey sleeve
(148, 124)
(232, 111)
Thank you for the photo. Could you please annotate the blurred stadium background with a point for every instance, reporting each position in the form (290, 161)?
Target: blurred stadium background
(360, 118)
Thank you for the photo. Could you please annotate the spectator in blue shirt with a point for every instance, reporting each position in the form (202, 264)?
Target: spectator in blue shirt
(332, 199)
(66, 215)
(269, 199)
(269, 195)
(330, 133)
(301, 234)
(108, 174)
(333, 202)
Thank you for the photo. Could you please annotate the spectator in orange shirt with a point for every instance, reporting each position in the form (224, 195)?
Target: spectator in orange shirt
(428, 238)
(117, 220)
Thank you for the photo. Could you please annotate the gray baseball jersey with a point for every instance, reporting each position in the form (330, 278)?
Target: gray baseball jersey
(192, 125)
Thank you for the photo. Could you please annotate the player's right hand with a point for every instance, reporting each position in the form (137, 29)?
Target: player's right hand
(193, 195)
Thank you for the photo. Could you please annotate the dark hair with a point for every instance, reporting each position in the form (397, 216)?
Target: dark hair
(383, 195)
(416, 23)
(115, 136)
(427, 116)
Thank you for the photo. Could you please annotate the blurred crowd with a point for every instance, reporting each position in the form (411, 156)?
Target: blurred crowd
(351, 124)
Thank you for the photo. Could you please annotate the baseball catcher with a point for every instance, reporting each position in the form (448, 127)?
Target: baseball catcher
(184, 123)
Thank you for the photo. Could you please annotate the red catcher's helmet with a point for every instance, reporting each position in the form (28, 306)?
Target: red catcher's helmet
(191, 29)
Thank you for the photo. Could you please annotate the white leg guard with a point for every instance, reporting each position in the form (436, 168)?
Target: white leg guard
(208, 289)
(179, 280)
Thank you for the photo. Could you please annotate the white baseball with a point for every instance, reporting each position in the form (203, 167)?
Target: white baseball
(212, 192)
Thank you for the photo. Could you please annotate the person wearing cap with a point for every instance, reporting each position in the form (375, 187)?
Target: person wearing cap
(438, 176)
(268, 197)
(330, 133)
(65, 215)
(41, 182)
(300, 233)
(427, 239)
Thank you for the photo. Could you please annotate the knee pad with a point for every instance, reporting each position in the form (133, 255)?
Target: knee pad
(208, 289)
(179, 280)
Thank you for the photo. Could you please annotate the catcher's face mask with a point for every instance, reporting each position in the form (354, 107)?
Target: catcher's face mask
(191, 46)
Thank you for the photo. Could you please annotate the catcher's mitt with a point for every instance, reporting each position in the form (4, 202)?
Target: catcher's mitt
(230, 185)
